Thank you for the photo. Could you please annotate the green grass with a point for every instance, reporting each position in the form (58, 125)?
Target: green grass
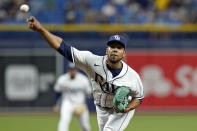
(140, 122)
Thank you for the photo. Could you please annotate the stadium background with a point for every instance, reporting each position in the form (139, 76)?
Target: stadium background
(162, 47)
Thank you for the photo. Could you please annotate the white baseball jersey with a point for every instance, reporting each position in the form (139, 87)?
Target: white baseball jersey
(102, 79)
(73, 95)
(73, 89)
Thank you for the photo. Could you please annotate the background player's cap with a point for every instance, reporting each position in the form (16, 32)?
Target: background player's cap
(117, 38)
(71, 66)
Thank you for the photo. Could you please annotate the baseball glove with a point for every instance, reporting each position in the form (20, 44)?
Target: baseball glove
(80, 109)
(120, 100)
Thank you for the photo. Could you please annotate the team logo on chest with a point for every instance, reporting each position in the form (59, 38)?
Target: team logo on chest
(105, 86)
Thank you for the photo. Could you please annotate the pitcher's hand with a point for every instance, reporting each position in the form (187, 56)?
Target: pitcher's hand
(34, 24)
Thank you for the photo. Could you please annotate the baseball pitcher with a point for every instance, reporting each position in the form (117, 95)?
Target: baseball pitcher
(117, 88)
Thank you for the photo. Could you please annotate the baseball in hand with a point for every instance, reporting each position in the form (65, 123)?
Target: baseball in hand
(24, 8)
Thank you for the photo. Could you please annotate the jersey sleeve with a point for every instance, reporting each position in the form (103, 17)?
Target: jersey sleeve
(140, 90)
(82, 59)
(59, 85)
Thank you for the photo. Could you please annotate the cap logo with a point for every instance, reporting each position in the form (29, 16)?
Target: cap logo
(117, 37)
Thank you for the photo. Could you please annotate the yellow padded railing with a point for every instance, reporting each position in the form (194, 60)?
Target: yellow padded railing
(105, 27)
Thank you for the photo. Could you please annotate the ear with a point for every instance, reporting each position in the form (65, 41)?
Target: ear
(124, 53)
(106, 51)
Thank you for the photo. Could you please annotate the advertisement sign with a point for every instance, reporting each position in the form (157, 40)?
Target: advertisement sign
(21, 82)
(169, 77)
(27, 81)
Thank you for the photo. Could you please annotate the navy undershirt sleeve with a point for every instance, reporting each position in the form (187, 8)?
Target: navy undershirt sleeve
(57, 97)
(65, 50)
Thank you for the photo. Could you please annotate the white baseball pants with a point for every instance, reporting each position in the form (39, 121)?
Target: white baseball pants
(108, 120)
(66, 113)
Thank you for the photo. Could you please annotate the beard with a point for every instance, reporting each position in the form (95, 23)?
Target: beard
(114, 61)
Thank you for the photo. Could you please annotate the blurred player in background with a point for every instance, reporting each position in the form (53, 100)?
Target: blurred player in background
(74, 87)
(112, 79)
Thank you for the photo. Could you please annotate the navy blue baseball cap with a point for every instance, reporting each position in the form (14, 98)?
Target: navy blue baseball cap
(71, 66)
(117, 38)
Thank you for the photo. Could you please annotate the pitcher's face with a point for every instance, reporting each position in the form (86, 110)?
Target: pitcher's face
(115, 52)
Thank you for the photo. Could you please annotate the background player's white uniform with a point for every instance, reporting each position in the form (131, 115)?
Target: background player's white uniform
(103, 88)
(73, 96)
